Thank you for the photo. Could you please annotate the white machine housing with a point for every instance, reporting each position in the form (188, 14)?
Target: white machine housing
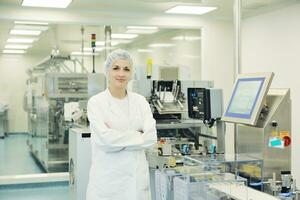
(79, 161)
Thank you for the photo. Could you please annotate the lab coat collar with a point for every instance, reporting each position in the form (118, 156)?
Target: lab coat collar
(115, 110)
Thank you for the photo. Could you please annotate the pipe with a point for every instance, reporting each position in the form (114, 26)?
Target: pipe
(107, 33)
(82, 47)
(237, 52)
(180, 104)
(164, 97)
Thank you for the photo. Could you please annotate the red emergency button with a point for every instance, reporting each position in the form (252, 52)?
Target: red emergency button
(287, 141)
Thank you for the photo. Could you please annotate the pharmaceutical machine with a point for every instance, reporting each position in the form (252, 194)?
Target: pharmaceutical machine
(52, 97)
(3, 120)
(55, 101)
(187, 115)
(262, 117)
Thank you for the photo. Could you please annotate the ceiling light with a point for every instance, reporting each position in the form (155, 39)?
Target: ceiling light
(97, 49)
(120, 41)
(47, 3)
(141, 31)
(187, 38)
(14, 46)
(161, 45)
(190, 10)
(31, 23)
(79, 53)
(113, 42)
(143, 27)
(145, 50)
(123, 36)
(31, 27)
(24, 32)
(191, 56)
(20, 40)
(102, 43)
(13, 51)
(110, 48)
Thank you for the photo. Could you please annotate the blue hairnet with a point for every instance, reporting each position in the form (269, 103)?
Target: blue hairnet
(116, 55)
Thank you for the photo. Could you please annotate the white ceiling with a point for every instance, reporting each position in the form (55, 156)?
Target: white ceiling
(65, 24)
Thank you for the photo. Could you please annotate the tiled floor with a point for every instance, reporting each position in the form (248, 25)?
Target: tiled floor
(15, 157)
(52, 191)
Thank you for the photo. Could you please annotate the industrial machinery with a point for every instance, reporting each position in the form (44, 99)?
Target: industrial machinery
(188, 122)
(171, 105)
(50, 94)
(205, 104)
(79, 161)
(3, 120)
(56, 100)
(263, 120)
(208, 178)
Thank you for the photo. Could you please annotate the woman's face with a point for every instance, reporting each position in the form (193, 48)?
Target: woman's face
(119, 74)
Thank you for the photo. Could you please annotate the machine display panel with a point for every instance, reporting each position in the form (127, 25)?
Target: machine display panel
(247, 98)
(244, 97)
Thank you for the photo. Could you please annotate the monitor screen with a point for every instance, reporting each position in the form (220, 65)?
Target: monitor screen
(244, 97)
(247, 98)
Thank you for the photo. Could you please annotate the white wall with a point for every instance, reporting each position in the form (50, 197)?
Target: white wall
(12, 86)
(186, 55)
(270, 42)
(218, 63)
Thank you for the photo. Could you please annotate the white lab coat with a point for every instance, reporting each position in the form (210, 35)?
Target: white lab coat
(119, 168)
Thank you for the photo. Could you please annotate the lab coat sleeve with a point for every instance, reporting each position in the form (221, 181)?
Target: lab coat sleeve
(149, 134)
(149, 127)
(110, 140)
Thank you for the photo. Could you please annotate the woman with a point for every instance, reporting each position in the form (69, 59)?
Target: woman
(122, 126)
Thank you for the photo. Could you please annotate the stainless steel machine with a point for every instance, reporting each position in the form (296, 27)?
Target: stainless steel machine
(80, 161)
(188, 122)
(174, 103)
(263, 127)
(3, 120)
(48, 127)
(56, 100)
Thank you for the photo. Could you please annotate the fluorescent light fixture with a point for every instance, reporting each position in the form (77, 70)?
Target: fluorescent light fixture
(161, 45)
(145, 50)
(187, 38)
(24, 32)
(191, 56)
(89, 49)
(47, 3)
(190, 10)
(123, 36)
(31, 23)
(121, 41)
(141, 31)
(143, 27)
(16, 46)
(20, 40)
(110, 48)
(100, 43)
(10, 51)
(113, 42)
(79, 53)
(30, 27)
